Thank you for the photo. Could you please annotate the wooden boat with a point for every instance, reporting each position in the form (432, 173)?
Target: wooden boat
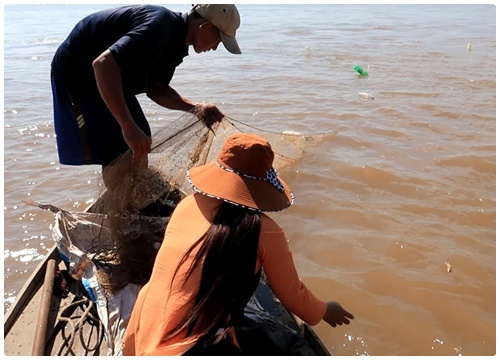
(44, 322)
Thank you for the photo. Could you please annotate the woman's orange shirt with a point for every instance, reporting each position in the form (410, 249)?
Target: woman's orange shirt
(164, 301)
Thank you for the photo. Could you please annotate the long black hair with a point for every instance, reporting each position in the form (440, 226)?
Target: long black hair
(228, 252)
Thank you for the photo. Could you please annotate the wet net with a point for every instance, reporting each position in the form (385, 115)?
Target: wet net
(139, 196)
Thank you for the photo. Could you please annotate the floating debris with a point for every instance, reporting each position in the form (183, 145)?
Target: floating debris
(364, 95)
(360, 70)
(289, 132)
(309, 52)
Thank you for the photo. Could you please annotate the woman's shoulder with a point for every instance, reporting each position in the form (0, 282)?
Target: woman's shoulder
(268, 224)
(198, 201)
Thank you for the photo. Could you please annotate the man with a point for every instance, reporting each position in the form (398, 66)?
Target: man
(113, 55)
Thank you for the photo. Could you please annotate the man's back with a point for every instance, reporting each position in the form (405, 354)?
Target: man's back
(144, 39)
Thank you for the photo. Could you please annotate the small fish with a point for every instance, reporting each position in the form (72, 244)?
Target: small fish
(448, 266)
(469, 47)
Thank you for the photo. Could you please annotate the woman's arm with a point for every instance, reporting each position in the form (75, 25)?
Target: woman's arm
(281, 273)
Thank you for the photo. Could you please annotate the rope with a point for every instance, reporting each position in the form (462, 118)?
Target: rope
(255, 128)
(77, 328)
(269, 131)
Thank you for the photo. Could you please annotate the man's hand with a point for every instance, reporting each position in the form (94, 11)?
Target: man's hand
(209, 114)
(336, 314)
(137, 141)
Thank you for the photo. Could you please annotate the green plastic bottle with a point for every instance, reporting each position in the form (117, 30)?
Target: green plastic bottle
(359, 70)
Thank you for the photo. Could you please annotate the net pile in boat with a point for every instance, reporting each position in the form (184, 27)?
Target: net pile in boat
(138, 198)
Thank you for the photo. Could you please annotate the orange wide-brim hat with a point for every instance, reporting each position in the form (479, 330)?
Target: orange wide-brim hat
(243, 175)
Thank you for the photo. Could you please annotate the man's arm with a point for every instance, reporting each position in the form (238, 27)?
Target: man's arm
(109, 82)
(166, 96)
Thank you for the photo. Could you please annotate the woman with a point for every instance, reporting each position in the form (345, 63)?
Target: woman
(216, 244)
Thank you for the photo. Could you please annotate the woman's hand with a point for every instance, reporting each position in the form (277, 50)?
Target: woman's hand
(336, 314)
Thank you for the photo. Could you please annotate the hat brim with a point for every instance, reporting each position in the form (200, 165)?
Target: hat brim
(230, 43)
(212, 180)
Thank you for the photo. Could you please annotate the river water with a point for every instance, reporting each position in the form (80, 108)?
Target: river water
(407, 184)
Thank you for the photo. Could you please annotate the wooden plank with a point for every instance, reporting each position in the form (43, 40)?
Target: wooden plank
(43, 314)
(31, 286)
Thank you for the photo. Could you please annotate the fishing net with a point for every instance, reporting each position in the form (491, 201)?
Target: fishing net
(138, 198)
(132, 186)
(138, 192)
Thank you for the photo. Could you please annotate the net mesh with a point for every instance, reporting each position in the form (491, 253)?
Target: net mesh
(140, 196)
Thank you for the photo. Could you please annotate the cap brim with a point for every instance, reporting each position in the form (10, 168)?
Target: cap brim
(230, 43)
